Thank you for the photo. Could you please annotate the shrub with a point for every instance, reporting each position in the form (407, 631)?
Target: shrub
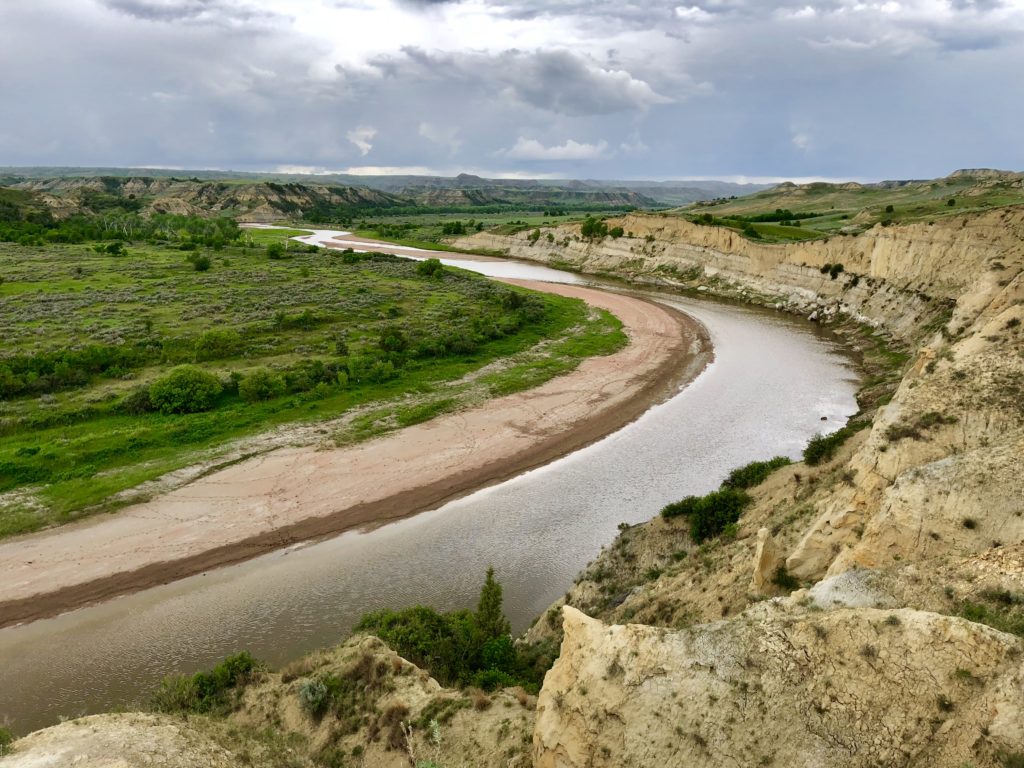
(218, 343)
(313, 697)
(784, 580)
(206, 691)
(593, 229)
(275, 251)
(201, 263)
(137, 402)
(261, 384)
(835, 271)
(430, 268)
(463, 647)
(822, 448)
(754, 473)
(709, 514)
(616, 232)
(186, 389)
(6, 739)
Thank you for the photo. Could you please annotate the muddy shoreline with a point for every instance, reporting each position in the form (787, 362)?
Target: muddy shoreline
(52, 572)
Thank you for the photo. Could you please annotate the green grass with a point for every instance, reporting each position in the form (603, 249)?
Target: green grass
(278, 235)
(833, 209)
(427, 230)
(70, 451)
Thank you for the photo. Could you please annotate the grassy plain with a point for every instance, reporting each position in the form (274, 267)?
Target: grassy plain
(824, 210)
(337, 334)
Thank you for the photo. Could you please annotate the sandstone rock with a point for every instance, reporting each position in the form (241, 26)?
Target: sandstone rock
(847, 689)
(767, 559)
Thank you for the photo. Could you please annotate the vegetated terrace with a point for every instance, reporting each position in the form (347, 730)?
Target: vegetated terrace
(123, 361)
(790, 212)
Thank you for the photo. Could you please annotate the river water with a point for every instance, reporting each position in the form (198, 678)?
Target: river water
(772, 381)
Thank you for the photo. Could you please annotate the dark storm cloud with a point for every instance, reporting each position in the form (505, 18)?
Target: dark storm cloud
(853, 88)
(555, 81)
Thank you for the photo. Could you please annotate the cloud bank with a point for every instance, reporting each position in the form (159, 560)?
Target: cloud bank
(866, 89)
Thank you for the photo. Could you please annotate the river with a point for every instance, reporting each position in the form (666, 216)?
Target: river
(772, 381)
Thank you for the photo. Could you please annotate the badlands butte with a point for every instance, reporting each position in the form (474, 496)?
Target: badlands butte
(867, 610)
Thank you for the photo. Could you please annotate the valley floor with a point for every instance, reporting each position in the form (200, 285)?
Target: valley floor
(296, 494)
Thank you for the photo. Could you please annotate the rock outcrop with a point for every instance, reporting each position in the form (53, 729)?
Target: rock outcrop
(780, 686)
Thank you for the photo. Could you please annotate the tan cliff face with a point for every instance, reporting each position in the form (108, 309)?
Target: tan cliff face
(941, 469)
(779, 686)
(904, 275)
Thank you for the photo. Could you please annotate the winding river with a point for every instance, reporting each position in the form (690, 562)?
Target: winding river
(773, 380)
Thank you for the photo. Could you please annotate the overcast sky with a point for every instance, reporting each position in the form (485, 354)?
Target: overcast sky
(578, 88)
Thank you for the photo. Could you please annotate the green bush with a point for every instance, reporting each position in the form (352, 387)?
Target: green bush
(275, 251)
(313, 696)
(201, 263)
(186, 389)
(430, 268)
(206, 691)
(217, 344)
(710, 514)
(754, 473)
(261, 384)
(6, 739)
(823, 447)
(462, 647)
(593, 229)
(137, 402)
(784, 580)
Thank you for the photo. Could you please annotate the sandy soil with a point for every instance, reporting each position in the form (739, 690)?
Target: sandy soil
(295, 494)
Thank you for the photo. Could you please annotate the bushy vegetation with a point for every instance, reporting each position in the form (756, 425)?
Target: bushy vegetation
(462, 647)
(709, 514)
(88, 405)
(717, 513)
(829, 210)
(998, 608)
(593, 229)
(186, 389)
(754, 473)
(215, 691)
(823, 447)
(261, 384)
(6, 739)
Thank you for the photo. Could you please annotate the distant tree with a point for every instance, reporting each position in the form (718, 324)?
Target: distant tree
(889, 209)
(261, 384)
(951, 202)
(430, 268)
(186, 389)
(616, 232)
(490, 619)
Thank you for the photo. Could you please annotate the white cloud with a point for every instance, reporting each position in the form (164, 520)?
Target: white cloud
(442, 136)
(531, 149)
(801, 141)
(693, 13)
(361, 138)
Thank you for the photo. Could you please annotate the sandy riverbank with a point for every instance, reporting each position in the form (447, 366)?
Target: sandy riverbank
(296, 494)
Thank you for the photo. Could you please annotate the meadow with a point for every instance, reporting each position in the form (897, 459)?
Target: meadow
(790, 213)
(121, 363)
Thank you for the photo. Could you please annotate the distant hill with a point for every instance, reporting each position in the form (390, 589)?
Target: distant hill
(791, 211)
(462, 190)
(254, 201)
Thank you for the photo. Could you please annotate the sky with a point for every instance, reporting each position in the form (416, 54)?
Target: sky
(597, 89)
